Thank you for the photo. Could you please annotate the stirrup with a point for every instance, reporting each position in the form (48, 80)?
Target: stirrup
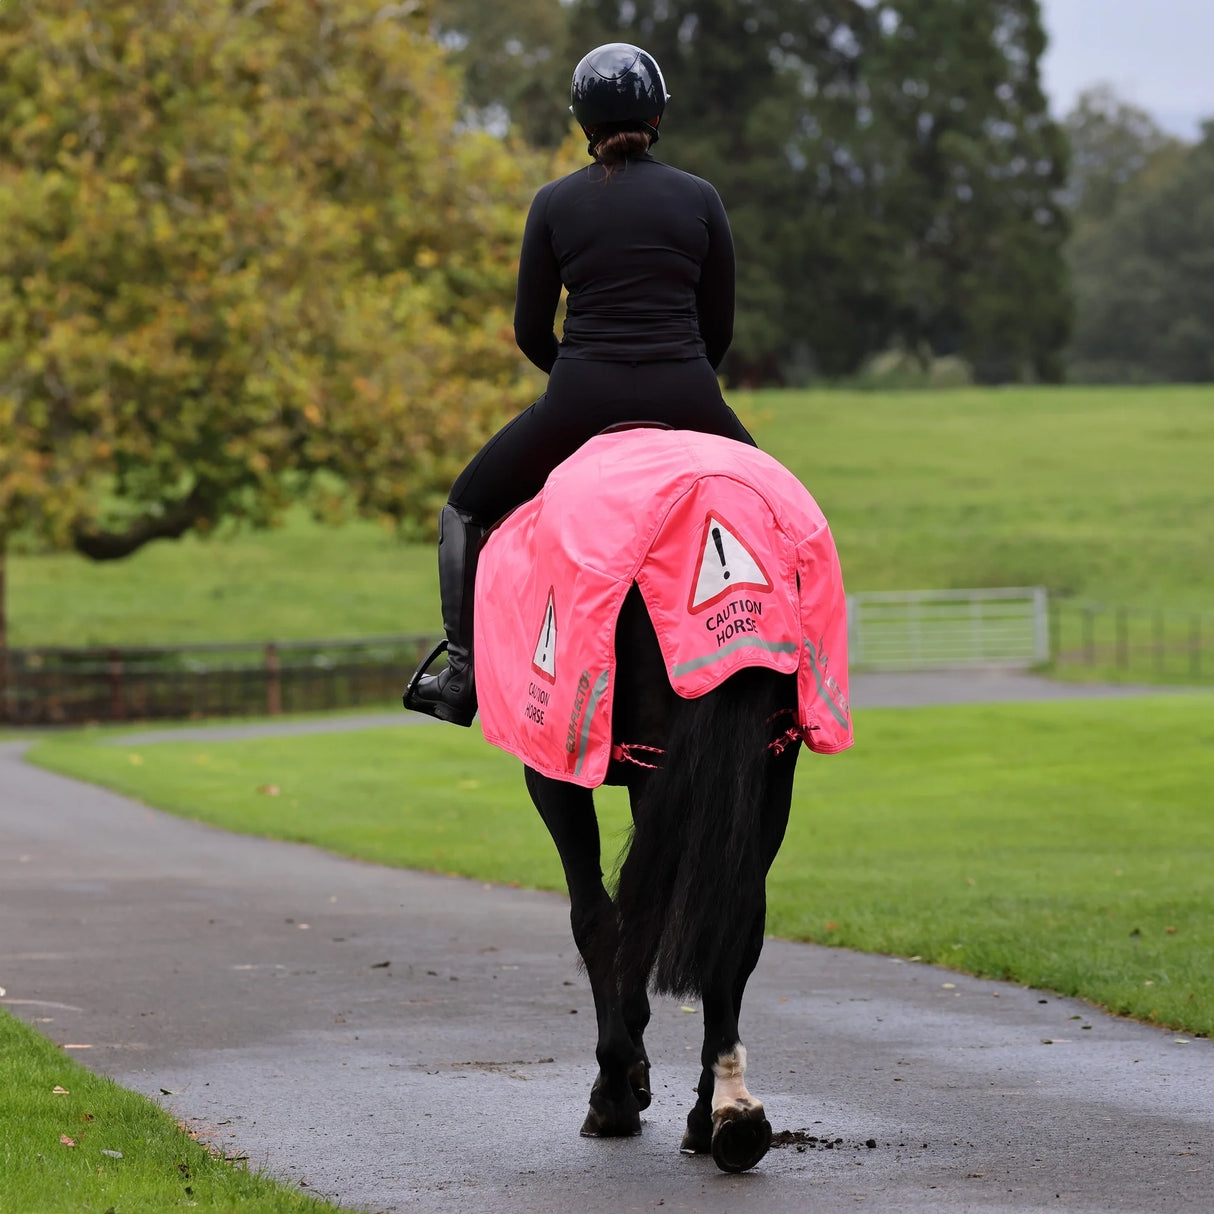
(440, 709)
(418, 674)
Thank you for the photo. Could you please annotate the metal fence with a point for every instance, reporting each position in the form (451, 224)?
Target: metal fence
(1154, 646)
(939, 629)
(62, 686)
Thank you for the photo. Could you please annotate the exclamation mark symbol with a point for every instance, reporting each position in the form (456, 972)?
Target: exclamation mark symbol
(547, 632)
(716, 539)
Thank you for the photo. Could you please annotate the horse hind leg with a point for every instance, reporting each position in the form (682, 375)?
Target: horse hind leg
(726, 1121)
(741, 1133)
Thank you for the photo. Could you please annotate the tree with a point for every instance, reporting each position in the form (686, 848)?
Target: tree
(515, 59)
(1113, 144)
(247, 258)
(1144, 278)
(967, 169)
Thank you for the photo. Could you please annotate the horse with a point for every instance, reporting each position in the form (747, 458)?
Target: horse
(687, 609)
(689, 912)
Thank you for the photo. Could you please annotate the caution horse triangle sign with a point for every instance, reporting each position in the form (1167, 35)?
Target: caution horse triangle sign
(727, 563)
(544, 660)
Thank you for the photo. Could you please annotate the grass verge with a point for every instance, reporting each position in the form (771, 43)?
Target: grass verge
(1063, 845)
(71, 1140)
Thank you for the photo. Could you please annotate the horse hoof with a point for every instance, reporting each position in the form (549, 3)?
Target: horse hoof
(739, 1143)
(603, 1125)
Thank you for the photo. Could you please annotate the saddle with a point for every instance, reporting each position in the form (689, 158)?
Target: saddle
(735, 562)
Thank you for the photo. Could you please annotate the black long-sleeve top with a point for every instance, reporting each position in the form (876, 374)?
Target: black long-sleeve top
(647, 257)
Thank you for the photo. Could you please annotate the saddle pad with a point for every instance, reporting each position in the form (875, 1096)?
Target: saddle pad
(732, 556)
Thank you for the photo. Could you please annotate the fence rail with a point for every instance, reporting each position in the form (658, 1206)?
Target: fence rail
(915, 630)
(65, 686)
(1149, 645)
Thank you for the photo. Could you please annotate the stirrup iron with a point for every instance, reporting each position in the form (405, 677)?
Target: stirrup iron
(419, 673)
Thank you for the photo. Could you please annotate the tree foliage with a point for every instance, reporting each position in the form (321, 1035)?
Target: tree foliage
(1113, 145)
(1144, 275)
(247, 257)
(515, 58)
(967, 169)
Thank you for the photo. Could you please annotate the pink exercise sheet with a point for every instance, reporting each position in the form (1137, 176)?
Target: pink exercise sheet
(735, 562)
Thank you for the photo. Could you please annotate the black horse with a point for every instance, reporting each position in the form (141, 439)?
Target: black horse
(710, 783)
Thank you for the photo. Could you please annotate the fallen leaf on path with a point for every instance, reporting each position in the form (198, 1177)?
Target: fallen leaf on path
(67, 1142)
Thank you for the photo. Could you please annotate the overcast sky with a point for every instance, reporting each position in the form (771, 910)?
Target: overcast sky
(1158, 54)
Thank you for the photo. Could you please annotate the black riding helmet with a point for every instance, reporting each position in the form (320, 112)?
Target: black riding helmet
(618, 87)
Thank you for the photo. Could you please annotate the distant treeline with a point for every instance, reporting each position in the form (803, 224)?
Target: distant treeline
(1142, 250)
(895, 181)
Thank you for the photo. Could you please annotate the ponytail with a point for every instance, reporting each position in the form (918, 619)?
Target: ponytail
(620, 146)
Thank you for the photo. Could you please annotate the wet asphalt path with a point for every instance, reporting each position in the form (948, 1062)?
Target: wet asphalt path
(242, 983)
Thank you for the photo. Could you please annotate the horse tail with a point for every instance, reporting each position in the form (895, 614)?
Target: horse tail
(692, 884)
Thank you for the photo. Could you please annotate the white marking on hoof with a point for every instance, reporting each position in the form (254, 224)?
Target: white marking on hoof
(729, 1091)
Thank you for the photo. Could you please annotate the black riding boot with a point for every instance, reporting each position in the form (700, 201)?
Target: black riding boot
(450, 695)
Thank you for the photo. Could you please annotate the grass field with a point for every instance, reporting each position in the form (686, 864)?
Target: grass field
(1102, 493)
(1063, 845)
(71, 1141)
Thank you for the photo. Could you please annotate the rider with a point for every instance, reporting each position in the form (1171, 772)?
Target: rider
(646, 254)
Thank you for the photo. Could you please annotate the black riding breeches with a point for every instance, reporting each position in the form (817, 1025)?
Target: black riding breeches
(584, 398)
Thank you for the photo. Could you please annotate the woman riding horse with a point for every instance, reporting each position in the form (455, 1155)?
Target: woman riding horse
(646, 254)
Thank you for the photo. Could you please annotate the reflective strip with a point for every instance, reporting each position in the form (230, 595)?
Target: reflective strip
(708, 659)
(596, 693)
(823, 694)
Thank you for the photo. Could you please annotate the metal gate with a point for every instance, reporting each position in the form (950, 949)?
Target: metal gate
(935, 629)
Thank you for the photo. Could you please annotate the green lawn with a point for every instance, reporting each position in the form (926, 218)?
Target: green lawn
(71, 1140)
(299, 582)
(1103, 493)
(1062, 845)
